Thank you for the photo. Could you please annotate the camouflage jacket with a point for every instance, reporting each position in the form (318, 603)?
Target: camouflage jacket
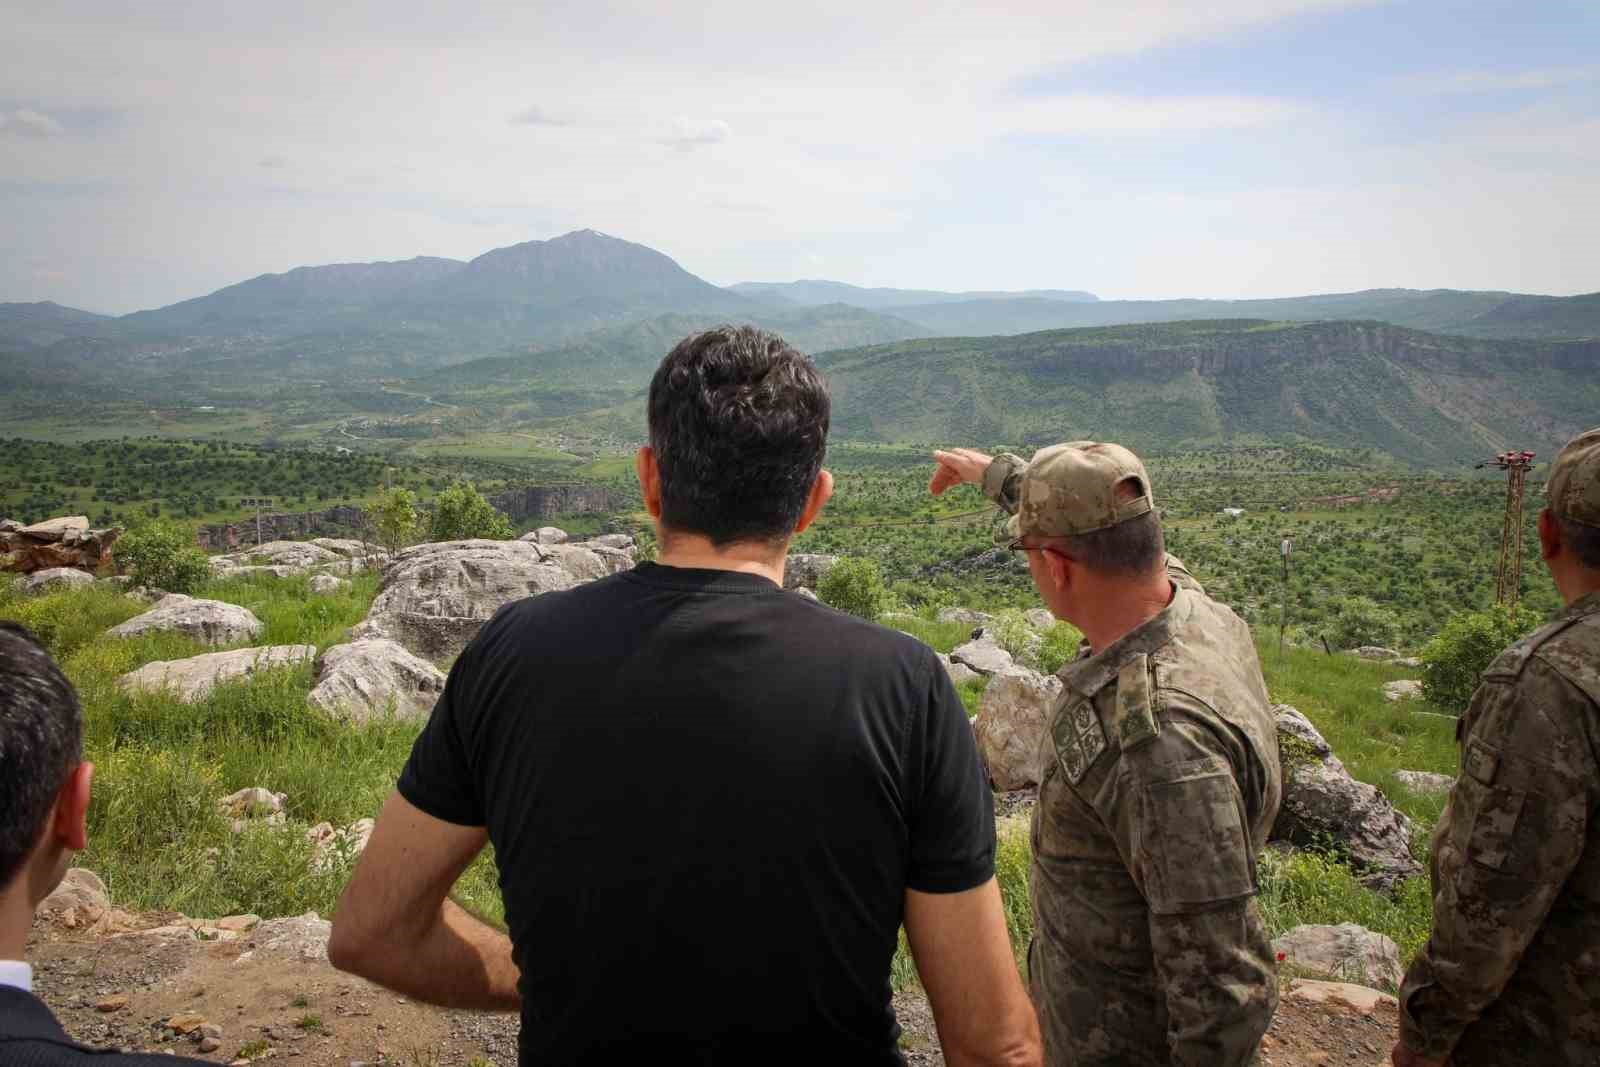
(1148, 946)
(1511, 973)
(1002, 483)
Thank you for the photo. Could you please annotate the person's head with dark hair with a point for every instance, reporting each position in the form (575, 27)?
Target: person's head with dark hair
(1569, 525)
(738, 429)
(44, 783)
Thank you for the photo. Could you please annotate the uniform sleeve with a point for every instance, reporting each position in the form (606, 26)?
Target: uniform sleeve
(952, 818)
(1182, 827)
(438, 778)
(1002, 481)
(1512, 833)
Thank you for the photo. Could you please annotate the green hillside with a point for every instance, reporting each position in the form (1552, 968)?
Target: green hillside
(1424, 398)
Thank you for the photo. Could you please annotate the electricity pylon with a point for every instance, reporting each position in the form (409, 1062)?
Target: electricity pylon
(1508, 577)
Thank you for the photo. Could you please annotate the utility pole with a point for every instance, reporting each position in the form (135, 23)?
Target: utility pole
(1286, 547)
(258, 503)
(1508, 575)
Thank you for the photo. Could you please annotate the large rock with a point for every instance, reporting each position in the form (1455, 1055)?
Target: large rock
(1323, 805)
(1343, 953)
(303, 938)
(299, 554)
(1011, 723)
(803, 570)
(959, 672)
(209, 621)
(191, 680)
(966, 616)
(982, 655)
(375, 678)
(64, 542)
(80, 900)
(436, 596)
(1344, 995)
(341, 546)
(1040, 618)
(1405, 689)
(328, 585)
(55, 579)
(546, 535)
(621, 542)
(1425, 782)
(1373, 652)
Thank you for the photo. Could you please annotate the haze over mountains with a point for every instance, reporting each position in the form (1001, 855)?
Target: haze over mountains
(570, 328)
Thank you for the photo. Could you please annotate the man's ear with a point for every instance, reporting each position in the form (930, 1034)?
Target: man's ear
(70, 822)
(1060, 569)
(649, 472)
(1549, 535)
(821, 492)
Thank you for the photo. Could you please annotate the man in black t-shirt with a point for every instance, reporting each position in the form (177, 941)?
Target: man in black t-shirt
(713, 803)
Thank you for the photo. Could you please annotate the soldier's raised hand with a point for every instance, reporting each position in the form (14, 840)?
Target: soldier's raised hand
(958, 466)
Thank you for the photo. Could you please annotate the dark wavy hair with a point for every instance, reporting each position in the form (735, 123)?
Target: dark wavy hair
(739, 425)
(41, 740)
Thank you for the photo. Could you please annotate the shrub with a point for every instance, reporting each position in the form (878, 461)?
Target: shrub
(856, 586)
(461, 512)
(394, 520)
(161, 555)
(1359, 620)
(1453, 661)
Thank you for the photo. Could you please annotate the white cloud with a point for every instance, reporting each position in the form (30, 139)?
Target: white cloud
(1487, 81)
(538, 116)
(686, 133)
(25, 122)
(272, 162)
(1090, 113)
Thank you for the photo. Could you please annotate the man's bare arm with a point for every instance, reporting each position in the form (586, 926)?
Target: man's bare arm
(964, 956)
(957, 466)
(396, 926)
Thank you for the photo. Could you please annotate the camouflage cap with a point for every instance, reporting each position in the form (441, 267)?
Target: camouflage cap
(1071, 489)
(1573, 489)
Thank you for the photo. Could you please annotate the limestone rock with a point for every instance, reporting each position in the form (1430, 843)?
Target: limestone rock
(56, 528)
(303, 937)
(1408, 662)
(1373, 652)
(356, 564)
(1039, 618)
(55, 579)
(982, 655)
(436, 596)
(80, 900)
(959, 672)
(1345, 953)
(621, 542)
(341, 546)
(1322, 803)
(330, 844)
(803, 570)
(362, 680)
(327, 584)
(301, 554)
(1011, 723)
(191, 680)
(209, 621)
(1356, 997)
(808, 594)
(550, 535)
(1425, 782)
(63, 542)
(965, 615)
(251, 802)
(1405, 689)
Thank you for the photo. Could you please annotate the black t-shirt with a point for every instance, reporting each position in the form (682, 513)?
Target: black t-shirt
(707, 797)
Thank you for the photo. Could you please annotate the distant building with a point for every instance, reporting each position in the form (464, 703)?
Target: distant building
(1233, 513)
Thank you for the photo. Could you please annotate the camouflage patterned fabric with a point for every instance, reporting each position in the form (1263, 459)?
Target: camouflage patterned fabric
(1512, 971)
(1148, 946)
(1573, 488)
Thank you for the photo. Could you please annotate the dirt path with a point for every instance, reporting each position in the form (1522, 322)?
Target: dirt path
(270, 996)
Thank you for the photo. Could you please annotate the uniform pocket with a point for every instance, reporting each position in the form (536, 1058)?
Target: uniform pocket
(1194, 832)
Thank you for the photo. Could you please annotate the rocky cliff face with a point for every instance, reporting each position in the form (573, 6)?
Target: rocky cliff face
(548, 501)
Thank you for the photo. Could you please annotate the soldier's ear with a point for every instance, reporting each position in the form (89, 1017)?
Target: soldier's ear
(1549, 535)
(1059, 567)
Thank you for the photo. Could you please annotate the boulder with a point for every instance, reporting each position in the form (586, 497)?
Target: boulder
(616, 559)
(1322, 804)
(1425, 782)
(303, 938)
(80, 900)
(301, 554)
(1411, 663)
(340, 546)
(1355, 997)
(621, 542)
(966, 616)
(327, 584)
(436, 596)
(356, 564)
(191, 680)
(1373, 652)
(1405, 689)
(366, 679)
(329, 844)
(209, 621)
(251, 803)
(55, 579)
(803, 570)
(1011, 723)
(959, 672)
(1039, 618)
(546, 535)
(1344, 953)
(982, 655)
(64, 542)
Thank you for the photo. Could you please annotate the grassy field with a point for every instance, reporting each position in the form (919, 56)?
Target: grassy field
(160, 843)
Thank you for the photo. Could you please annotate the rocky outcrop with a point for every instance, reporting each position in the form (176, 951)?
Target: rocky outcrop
(982, 655)
(191, 680)
(959, 672)
(80, 900)
(303, 937)
(1343, 953)
(1323, 805)
(803, 570)
(63, 542)
(209, 621)
(546, 535)
(55, 579)
(1405, 689)
(1039, 618)
(965, 616)
(1011, 723)
(330, 522)
(1425, 782)
(327, 584)
(435, 597)
(342, 546)
(548, 501)
(303, 555)
(375, 678)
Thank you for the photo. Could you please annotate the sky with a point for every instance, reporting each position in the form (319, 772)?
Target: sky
(157, 151)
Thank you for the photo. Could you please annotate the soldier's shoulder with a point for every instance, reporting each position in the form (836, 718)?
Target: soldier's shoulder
(1574, 654)
(1564, 641)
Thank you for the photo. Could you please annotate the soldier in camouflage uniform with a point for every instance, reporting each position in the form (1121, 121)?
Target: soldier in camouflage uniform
(1511, 974)
(1148, 946)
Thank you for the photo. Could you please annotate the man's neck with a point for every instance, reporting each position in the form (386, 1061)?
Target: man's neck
(16, 918)
(745, 557)
(1119, 610)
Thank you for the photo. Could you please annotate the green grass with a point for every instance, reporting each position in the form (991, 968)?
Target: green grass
(290, 612)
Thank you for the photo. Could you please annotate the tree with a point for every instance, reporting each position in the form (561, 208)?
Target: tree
(856, 586)
(162, 555)
(1453, 661)
(461, 512)
(394, 520)
(1357, 620)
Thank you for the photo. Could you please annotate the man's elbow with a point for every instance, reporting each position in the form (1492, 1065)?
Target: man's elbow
(350, 949)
